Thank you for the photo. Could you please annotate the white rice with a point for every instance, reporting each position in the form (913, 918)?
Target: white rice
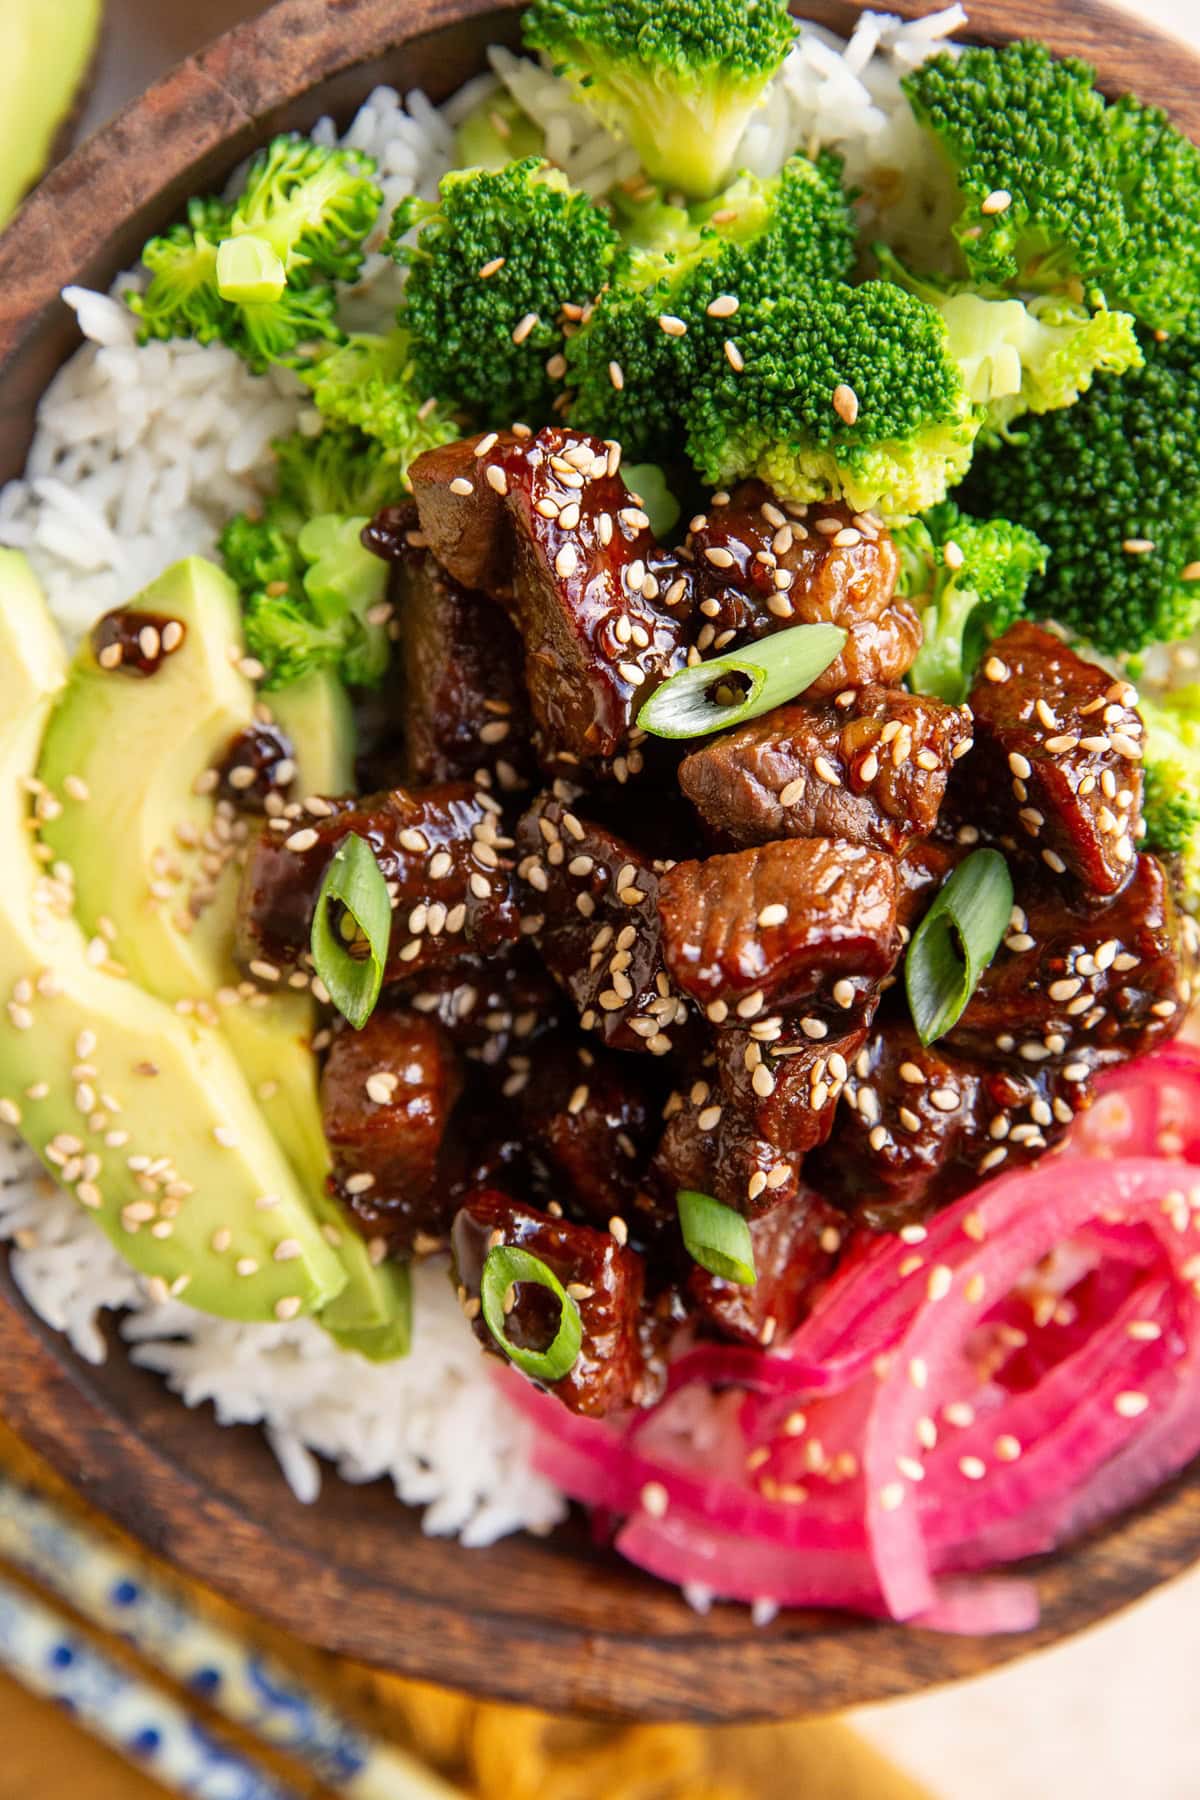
(141, 455)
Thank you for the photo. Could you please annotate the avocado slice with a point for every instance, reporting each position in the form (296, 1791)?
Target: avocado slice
(316, 715)
(120, 766)
(46, 51)
(141, 1110)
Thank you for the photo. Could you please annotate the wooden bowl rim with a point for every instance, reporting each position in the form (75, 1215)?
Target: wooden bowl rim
(720, 1669)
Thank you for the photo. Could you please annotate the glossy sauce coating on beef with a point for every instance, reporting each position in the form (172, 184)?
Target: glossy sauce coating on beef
(441, 850)
(1057, 766)
(592, 908)
(464, 706)
(739, 911)
(604, 1279)
(779, 924)
(546, 525)
(387, 1093)
(869, 766)
(762, 567)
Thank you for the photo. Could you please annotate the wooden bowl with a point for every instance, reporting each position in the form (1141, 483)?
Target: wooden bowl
(552, 1622)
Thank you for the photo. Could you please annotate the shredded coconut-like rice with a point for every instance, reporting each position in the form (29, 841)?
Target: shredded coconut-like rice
(142, 453)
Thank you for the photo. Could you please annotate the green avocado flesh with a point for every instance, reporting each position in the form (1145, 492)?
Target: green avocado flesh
(46, 45)
(145, 919)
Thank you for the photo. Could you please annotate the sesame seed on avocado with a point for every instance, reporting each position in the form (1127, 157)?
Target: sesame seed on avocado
(142, 1112)
(130, 804)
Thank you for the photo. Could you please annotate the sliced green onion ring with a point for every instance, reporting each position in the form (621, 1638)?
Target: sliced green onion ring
(769, 673)
(716, 1237)
(955, 942)
(248, 270)
(355, 880)
(505, 1267)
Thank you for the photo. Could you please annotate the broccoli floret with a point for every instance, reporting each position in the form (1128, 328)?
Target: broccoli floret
(495, 132)
(308, 586)
(1171, 807)
(968, 578)
(339, 471)
(1060, 191)
(1112, 486)
(678, 78)
(370, 382)
(1019, 357)
(650, 334)
(837, 391)
(258, 273)
(497, 258)
(308, 591)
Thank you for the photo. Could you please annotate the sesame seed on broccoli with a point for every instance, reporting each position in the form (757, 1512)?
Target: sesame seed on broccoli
(1112, 486)
(665, 312)
(1060, 191)
(501, 262)
(968, 579)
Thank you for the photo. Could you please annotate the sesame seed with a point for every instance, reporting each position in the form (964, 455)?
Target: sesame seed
(775, 914)
(460, 485)
(910, 1072)
(523, 327)
(1138, 546)
(825, 769)
(998, 201)
(1020, 765)
(566, 562)
(891, 1496)
(723, 307)
(497, 479)
(655, 1499)
(288, 1308)
(939, 1282)
(1006, 1448)
(301, 840)
(734, 357)
(616, 375)
(492, 268)
(619, 1229)
(845, 405)
(1054, 861)
(1130, 1405)
(972, 1467)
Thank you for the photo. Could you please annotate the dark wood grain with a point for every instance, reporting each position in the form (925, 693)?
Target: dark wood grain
(553, 1622)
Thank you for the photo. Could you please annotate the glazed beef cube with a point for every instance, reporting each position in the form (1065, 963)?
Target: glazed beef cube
(604, 1278)
(1056, 765)
(795, 1248)
(387, 1093)
(547, 525)
(1107, 983)
(785, 1086)
(713, 1149)
(920, 1126)
(440, 851)
(762, 567)
(809, 920)
(593, 900)
(489, 1006)
(870, 767)
(464, 695)
(586, 1117)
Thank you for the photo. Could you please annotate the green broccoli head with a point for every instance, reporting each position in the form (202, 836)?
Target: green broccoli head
(1060, 191)
(309, 588)
(1112, 486)
(968, 578)
(651, 333)
(837, 391)
(338, 471)
(497, 258)
(257, 273)
(1016, 356)
(1171, 807)
(678, 79)
(370, 382)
